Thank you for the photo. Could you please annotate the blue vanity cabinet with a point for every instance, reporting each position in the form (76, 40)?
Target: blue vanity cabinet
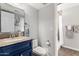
(22, 48)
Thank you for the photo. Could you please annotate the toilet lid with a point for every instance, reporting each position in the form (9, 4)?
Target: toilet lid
(39, 50)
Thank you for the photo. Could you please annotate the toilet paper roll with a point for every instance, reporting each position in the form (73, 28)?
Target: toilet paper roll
(47, 43)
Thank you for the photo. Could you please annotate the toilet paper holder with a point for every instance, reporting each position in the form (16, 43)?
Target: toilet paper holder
(48, 43)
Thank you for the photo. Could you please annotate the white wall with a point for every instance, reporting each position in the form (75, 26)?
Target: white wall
(31, 17)
(71, 17)
(47, 27)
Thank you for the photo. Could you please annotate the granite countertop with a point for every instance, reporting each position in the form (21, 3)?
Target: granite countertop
(9, 41)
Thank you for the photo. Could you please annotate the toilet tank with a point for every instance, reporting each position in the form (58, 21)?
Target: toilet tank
(35, 43)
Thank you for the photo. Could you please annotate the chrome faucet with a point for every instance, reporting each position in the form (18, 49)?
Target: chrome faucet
(12, 35)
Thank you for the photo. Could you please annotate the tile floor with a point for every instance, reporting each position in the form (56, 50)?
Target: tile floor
(67, 52)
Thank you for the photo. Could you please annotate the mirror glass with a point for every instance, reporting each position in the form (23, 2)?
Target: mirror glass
(11, 19)
(7, 22)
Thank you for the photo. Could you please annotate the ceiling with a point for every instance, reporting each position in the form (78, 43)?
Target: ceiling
(38, 5)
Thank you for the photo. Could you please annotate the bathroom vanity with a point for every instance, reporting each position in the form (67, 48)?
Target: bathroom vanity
(13, 39)
(16, 47)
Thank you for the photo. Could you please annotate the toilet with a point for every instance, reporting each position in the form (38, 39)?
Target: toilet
(37, 50)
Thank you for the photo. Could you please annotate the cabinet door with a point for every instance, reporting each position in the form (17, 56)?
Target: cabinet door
(7, 22)
(27, 53)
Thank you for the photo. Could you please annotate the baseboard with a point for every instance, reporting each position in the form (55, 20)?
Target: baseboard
(70, 48)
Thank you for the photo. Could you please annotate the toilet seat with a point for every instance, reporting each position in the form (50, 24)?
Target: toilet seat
(40, 51)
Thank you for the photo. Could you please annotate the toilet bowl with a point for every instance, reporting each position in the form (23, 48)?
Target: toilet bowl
(37, 50)
(40, 51)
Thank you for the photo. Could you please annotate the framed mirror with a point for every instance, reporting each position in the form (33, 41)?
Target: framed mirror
(12, 19)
